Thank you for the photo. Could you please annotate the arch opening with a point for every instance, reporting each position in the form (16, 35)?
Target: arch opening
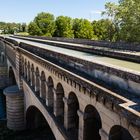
(119, 133)
(92, 123)
(12, 80)
(22, 66)
(50, 94)
(37, 82)
(36, 120)
(2, 57)
(28, 72)
(25, 69)
(43, 86)
(32, 76)
(59, 104)
(73, 118)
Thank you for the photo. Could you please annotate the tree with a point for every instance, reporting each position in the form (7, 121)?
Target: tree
(82, 28)
(130, 19)
(64, 27)
(23, 27)
(103, 29)
(126, 18)
(33, 29)
(112, 11)
(46, 22)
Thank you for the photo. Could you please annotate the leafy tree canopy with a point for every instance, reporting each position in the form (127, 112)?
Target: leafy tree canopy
(64, 27)
(46, 22)
(33, 29)
(82, 28)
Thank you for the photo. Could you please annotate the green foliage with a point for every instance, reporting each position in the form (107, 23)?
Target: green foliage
(112, 11)
(46, 23)
(104, 29)
(82, 29)
(126, 18)
(64, 27)
(123, 24)
(33, 29)
(11, 28)
(130, 20)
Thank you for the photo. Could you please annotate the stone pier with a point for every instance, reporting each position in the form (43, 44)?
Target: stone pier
(15, 108)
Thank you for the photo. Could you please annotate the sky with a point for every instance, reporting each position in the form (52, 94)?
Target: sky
(25, 10)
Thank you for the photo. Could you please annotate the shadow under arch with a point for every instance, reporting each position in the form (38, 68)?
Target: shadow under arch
(50, 94)
(117, 132)
(59, 104)
(37, 81)
(43, 86)
(12, 79)
(35, 119)
(73, 118)
(92, 123)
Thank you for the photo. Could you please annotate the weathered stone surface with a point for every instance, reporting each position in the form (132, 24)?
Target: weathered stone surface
(15, 108)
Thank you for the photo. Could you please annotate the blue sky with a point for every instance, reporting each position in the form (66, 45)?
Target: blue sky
(26, 10)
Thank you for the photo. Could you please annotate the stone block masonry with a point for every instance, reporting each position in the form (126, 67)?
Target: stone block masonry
(15, 108)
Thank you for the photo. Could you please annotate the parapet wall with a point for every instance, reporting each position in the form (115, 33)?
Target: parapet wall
(113, 45)
(109, 52)
(108, 75)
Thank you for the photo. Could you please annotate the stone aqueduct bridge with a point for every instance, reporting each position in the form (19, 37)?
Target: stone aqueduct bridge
(57, 90)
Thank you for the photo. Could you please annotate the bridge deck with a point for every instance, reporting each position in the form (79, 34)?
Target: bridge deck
(111, 62)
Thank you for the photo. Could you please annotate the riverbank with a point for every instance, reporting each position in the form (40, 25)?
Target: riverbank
(36, 134)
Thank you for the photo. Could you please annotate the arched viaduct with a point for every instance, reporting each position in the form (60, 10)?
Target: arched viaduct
(73, 107)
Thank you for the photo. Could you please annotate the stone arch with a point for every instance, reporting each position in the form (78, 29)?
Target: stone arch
(12, 79)
(22, 65)
(25, 69)
(92, 123)
(37, 81)
(28, 72)
(58, 103)
(2, 57)
(117, 132)
(43, 85)
(73, 118)
(50, 93)
(32, 76)
(35, 119)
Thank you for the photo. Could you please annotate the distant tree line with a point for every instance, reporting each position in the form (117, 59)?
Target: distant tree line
(122, 24)
(11, 28)
(45, 24)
